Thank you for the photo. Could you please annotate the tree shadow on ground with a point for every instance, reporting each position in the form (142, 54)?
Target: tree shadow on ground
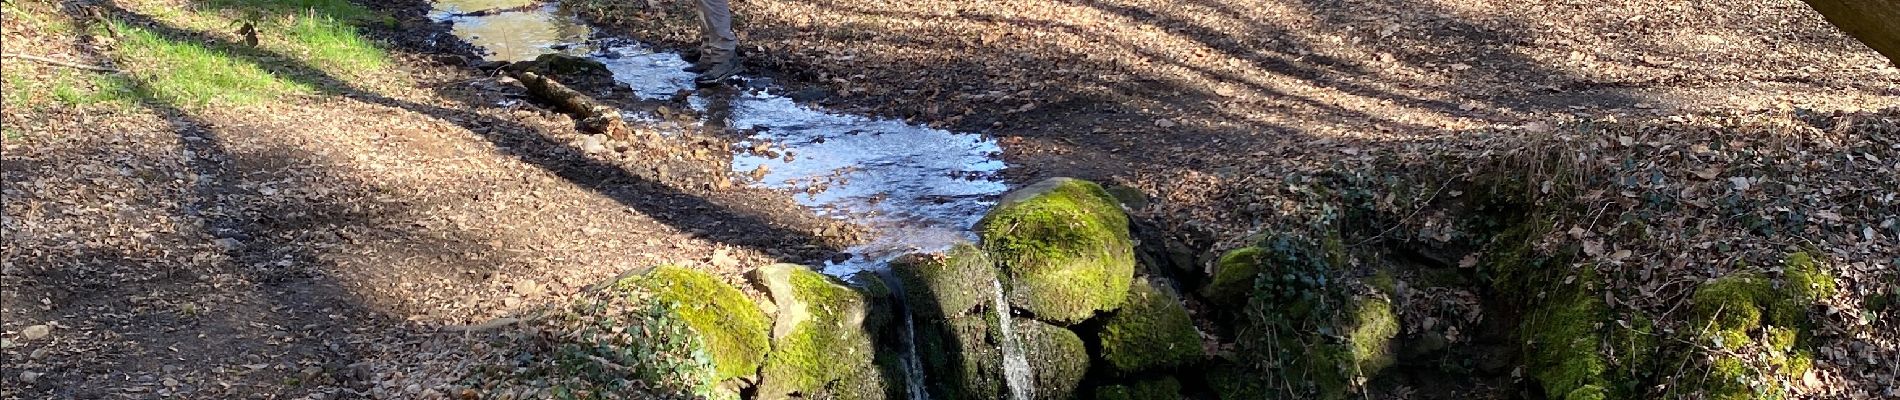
(266, 288)
(531, 145)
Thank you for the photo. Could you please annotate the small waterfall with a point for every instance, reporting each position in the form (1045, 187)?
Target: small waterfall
(1015, 366)
(913, 363)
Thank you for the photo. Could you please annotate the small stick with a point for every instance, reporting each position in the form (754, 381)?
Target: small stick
(31, 57)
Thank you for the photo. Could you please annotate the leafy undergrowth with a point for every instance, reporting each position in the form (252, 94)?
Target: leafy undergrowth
(1591, 236)
(617, 342)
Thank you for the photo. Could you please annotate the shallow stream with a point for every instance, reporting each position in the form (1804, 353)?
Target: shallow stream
(914, 188)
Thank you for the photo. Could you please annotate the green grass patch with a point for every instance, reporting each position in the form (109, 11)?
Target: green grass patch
(193, 74)
(47, 87)
(338, 9)
(335, 46)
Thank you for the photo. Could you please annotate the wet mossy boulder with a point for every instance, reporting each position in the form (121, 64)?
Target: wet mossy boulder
(1576, 351)
(1152, 330)
(1234, 275)
(948, 283)
(733, 328)
(961, 357)
(1164, 388)
(1057, 358)
(952, 298)
(824, 341)
(1746, 313)
(1064, 249)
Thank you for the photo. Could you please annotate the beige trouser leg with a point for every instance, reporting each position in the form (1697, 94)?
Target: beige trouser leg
(717, 43)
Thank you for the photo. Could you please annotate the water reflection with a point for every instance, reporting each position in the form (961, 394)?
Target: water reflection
(916, 188)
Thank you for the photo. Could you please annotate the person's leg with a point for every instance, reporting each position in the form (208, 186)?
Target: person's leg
(718, 56)
(717, 42)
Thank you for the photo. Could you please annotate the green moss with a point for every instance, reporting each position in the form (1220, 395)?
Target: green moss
(619, 341)
(822, 345)
(1064, 246)
(1729, 307)
(1165, 388)
(961, 358)
(1234, 383)
(1056, 356)
(1633, 347)
(1152, 331)
(1804, 285)
(1384, 281)
(1234, 275)
(1334, 368)
(1511, 260)
(733, 327)
(1563, 338)
(947, 284)
(1589, 392)
(1374, 326)
(1745, 313)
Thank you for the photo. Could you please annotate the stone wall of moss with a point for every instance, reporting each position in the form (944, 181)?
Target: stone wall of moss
(1064, 249)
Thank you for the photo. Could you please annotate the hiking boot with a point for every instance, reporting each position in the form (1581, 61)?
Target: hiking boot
(720, 71)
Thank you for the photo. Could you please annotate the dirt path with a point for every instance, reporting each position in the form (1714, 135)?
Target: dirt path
(320, 243)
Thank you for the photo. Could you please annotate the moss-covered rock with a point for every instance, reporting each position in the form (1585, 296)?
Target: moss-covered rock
(1563, 335)
(822, 345)
(961, 358)
(946, 284)
(1746, 313)
(1234, 275)
(1056, 356)
(1803, 285)
(1064, 247)
(733, 327)
(1165, 388)
(1153, 330)
(1330, 349)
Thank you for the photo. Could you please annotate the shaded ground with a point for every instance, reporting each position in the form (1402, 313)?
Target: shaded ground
(315, 243)
(322, 241)
(1726, 134)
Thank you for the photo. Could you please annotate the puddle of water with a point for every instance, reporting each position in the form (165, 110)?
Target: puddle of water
(514, 36)
(917, 188)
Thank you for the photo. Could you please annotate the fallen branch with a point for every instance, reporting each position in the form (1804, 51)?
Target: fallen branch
(593, 115)
(30, 57)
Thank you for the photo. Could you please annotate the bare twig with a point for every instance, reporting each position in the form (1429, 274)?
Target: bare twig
(30, 57)
(1408, 217)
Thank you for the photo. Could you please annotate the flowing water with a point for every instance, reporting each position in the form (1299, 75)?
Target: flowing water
(1016, 372)
(916, 188)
